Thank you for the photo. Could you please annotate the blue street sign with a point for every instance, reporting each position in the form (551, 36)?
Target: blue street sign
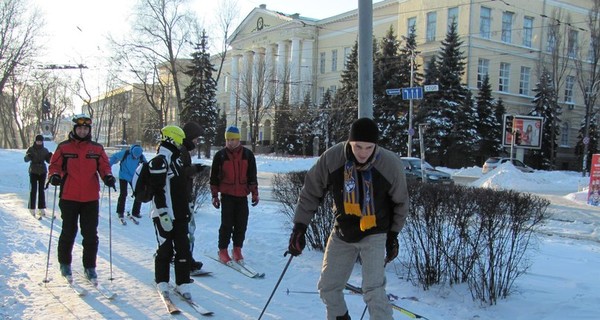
(392, 92)
(412, 93)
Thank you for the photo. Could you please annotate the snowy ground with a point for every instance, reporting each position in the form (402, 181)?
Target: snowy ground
(563, 282)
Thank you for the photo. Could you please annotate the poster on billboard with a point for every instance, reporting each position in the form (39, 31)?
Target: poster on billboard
(526, 129)
(594, 188)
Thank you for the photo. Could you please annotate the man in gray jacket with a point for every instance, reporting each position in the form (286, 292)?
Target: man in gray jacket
(368, 186)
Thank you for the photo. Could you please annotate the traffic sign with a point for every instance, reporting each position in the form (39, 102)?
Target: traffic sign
(412, 93)
(392, 92)
(431, 88)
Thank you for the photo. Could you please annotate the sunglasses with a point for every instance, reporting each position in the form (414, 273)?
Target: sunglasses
(83, 121)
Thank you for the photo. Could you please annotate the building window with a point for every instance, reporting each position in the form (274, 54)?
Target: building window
(564, 135)
(485, 16)
(507, 18)
(321, 94)
(527, 31)
(569, 84)
(334, 60)
(347, 51)
(411, 25)
(483, 67)
(572, 43)
(452, 16)
(332, 90)
(431, 25)
(551, 41)
(504, 77)
(592, 50)
(524, 81)
(322, 62)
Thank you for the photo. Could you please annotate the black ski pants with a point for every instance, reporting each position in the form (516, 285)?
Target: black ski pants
(36, 182)
(172, 243)
(87, 214)
(234, 220)
(123, 185)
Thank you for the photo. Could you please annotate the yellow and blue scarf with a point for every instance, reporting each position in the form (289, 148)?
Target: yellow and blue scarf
(366, 210)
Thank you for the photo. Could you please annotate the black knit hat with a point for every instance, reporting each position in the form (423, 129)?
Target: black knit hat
(365, 130)
(39, 137)
(192, 130)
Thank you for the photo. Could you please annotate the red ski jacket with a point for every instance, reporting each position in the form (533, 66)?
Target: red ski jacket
(78, 162)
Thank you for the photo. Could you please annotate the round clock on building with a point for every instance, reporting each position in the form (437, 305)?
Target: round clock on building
(260, 24)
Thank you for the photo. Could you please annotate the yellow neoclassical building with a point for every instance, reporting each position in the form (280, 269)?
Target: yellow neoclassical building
(508, 40)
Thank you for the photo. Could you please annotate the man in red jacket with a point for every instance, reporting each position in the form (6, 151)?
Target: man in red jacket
(75, 166)
(233, 174)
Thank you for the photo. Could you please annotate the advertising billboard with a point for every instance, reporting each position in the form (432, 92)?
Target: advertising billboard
(594, 189)
(525, 130)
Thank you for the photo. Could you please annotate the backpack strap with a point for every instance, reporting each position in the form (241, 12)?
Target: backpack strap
(125, 155)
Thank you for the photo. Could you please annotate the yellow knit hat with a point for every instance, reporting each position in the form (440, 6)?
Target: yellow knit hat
(232, 133)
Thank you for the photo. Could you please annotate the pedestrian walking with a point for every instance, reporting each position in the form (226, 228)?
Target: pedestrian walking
(128, 160)
(371, 201)
(38, 156)
(75, 167)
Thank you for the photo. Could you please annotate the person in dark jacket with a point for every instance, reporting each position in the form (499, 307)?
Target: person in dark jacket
(170, 213)
(371, 201)
(192, 131)
(233, 174)
(129, 160)
(75, 167)
(37, 155)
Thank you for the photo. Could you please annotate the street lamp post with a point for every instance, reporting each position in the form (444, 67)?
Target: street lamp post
(411, 130)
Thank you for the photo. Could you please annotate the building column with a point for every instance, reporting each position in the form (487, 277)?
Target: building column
(306, 70)
(235, 86)
(295, 53)
(246, 80)
(282, 72)
(269, 95)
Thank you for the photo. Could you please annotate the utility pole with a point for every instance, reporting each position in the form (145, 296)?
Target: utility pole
(365, 59)
(411, 130)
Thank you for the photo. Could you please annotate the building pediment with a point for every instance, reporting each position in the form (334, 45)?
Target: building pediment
(261, 21)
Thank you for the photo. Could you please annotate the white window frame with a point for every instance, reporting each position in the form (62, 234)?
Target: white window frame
(410, 23)
(485, 22)
(572, 45)
(452, 16)
(507, 24)
(483, 69)
(334, 60)
(564, 135)
(524, 81)
(527, 31)
(322, 58)
(431, 26)
(569, 85)
(504, 77)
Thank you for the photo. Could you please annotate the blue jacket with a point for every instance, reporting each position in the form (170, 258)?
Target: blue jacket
(128, 161)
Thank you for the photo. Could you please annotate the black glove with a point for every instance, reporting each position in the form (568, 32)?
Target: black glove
(297, 239)
(391, 246)
(110, 181)
(55, 180)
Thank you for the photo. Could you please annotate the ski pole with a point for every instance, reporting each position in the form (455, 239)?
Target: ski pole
(277, 284)
(110, 236)
(46, 280)
(366, 306)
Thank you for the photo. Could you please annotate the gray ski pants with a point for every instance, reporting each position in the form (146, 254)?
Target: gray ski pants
(338, 263)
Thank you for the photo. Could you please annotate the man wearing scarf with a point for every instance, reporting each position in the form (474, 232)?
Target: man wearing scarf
(368, 186)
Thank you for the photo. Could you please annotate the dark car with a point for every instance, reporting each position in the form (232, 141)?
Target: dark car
(493, 162)
(412, 169)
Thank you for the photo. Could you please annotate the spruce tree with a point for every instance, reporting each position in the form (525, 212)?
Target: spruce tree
(499, 112)
(489, 126)
(200, 97)
(546, 107)
(440, 110)
(387, 74)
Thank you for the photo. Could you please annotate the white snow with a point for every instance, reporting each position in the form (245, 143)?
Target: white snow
(563, 282)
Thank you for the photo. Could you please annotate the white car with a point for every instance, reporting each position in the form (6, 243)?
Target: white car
(492, 163)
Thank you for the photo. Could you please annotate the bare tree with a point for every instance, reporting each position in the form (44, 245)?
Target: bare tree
(162, 31)
(227, 13)
(257, 99)
(588, 78)
(561, 50)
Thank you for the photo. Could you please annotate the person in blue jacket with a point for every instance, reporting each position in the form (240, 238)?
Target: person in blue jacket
(129, 160)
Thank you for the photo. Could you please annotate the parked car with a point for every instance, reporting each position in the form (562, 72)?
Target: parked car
(412, 169)
(494, 162)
